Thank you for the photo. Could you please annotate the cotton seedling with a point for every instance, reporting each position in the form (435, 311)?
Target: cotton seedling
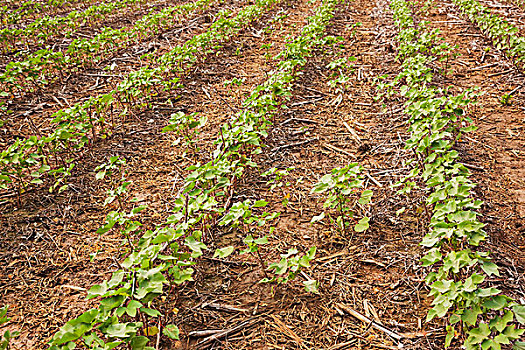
(234, 82)
(113, 167)
(241, 215)
(277, 181)
(352, 28)
(186, 126)
(125, 222)
(344, 189)
(339, 69)
(253, 247)
(6, 338)
(266, 48)
(505, 99)
(290, 264)
(234, 85)
(114, 171)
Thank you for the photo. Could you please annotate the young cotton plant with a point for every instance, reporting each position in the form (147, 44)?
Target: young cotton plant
(241, 216)
(338, 73)
(290, 265)
(114, 165)
(234, 85)
(277, 181)
(6, 338)
(186, 126)
(344, 189)
(113, 168)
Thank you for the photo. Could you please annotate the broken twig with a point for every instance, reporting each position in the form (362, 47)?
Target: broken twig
(366, 320)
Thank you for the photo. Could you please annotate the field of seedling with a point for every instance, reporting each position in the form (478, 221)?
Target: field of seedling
(262, 174)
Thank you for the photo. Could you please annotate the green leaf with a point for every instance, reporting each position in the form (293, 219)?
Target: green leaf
(3, 313)
(512, 333)
(317, 218)
(116, 278)
(171, 331)
(64, 135)
(362, 225)
(291, 251)
(97, 290)
(150, 312)
(433, 256)
(469, 128)
(132, 307)
(495, 303)
(195, 245)
(470, 316)
(454, 318)
(478, 335)
(181, 275)
(260, 204)
(112, 302)
(123, 330)
(311, 253)
(88, 316)
(450, 336)
(311, 286)
(443, 286)
(519, 313)
(486, 292)
(366, 197)
(499, 323)
(139, 343)
(223, 252)
(261, 240)
(75, 328)
(431, 314)
(100, 175)
(490, 268)
(151, 331)
(280, 267)
(491, 344)
(519, 346)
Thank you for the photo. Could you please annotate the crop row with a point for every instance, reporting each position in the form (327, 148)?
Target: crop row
(504, 35)
(483, 317)
(29, 8)
(43, 29)
(165, 255)
(36, 69)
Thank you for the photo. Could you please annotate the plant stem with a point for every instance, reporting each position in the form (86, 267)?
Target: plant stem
(262, 264)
